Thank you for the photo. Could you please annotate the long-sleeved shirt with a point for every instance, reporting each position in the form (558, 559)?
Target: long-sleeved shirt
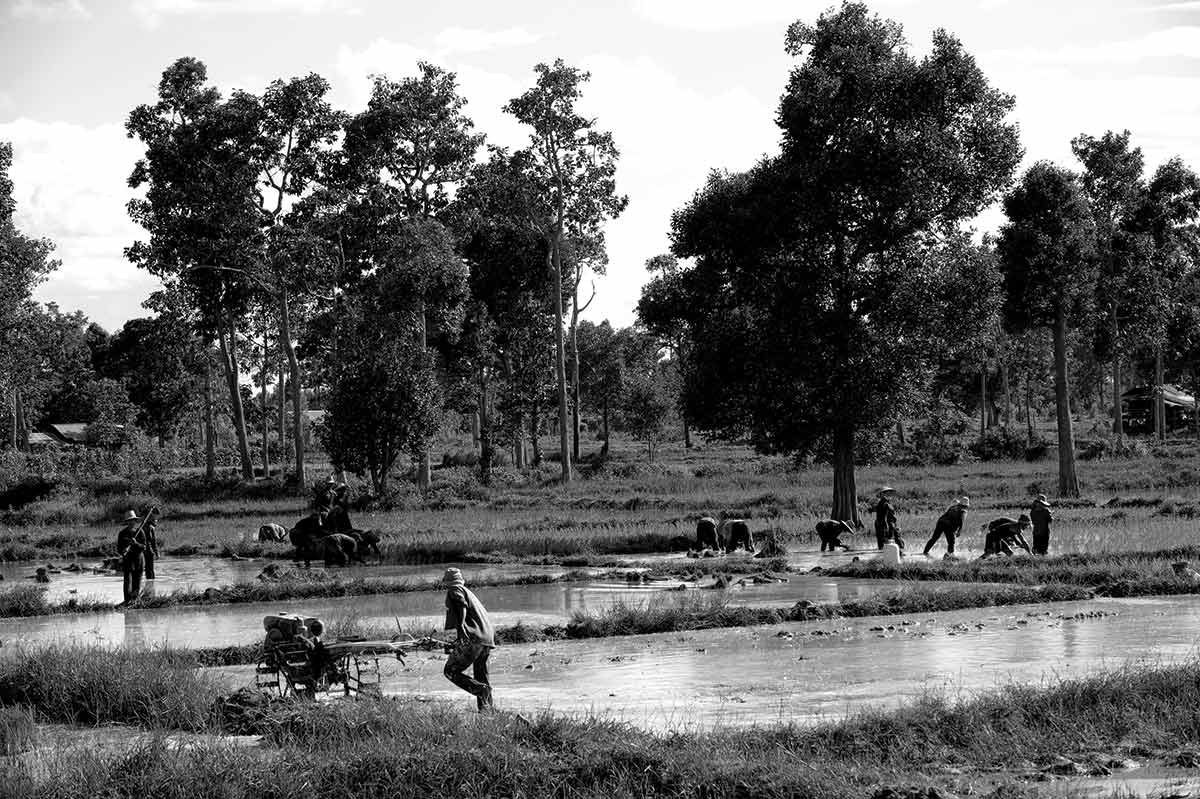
(129, 547)
(885, 517)
(465, 611)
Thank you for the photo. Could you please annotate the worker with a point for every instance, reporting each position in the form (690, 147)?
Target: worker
(1005, 533)
(323, 495)
(738, 537)
(476, 638)
(150, 534)
(131, 549)
(706, 534)
(1040, 516)
(885, 519)
(949, 524)
(830, 531)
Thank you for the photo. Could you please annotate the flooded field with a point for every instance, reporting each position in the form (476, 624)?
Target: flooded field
(814, 671)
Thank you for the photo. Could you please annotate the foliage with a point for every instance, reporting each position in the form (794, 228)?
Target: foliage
(999, 443)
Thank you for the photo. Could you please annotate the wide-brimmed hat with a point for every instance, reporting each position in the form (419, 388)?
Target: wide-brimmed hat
(130, 516)
(964, 501)
(886, 490)
(1024, 519)
(1041, 500)
(453, 576)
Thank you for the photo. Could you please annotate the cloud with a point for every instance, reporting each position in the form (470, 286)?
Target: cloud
(1183, 41)
(50, 10)
(69, 184)
(474, 40)
(152, 12)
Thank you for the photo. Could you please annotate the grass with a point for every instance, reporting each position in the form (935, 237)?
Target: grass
(409, 749)
(1109, 573)
(632, 507)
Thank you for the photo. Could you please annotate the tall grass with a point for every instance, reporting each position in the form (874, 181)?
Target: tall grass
(411, 749)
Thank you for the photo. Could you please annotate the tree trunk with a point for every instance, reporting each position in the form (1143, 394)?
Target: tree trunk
(1160, 401)
(475, 431)
(575, 374)
(982, 402)
(687, 433)
(845, 495)
(485, 431)
(13, 409)
(519, 443)
(535, 423)
(1118, 416)
(1068, 482)
(20, 424)
(1029, 409)
(424, 470)
(281, 403)
(228, 342)
(1195, 405)
(266, 413)
(289, 352)
(560, 364)
(900, 437)
(604, 449)
(210, 433)
(1007, 394)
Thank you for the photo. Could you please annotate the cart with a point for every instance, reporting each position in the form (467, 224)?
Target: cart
(296, 663)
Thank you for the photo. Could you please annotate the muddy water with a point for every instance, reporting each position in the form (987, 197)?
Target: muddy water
(220, 625)
(791, 673)
(198, 573)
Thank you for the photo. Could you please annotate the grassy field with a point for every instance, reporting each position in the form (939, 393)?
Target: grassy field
(1002, 744)
(631, 506)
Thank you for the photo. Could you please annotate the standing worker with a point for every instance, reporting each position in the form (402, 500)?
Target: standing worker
(885, 519)
(949, 524)
(150, 531)
(1039, 514)
(131, 548)
(466, 615)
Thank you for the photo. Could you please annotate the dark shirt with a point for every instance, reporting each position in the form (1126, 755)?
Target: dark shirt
(129, 547)
(464, 609)
(1008, 531)
(885, 517)
(1040, 515)
(952, 520)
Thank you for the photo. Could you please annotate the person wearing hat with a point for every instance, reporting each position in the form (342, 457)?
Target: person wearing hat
(1005, 533)
(131, 547)
(323, 495)
(1039, 514)
(830, 532)
(949, 524)
(885, 519)
(467, 616)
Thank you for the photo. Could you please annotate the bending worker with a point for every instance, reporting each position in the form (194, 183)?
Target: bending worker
(830, 532)
(466, 615)
(949, 524)
(1003, 534)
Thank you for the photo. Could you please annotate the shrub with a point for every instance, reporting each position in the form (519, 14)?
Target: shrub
(999, 443)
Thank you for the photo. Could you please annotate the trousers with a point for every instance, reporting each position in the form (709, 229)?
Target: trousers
(474, 656)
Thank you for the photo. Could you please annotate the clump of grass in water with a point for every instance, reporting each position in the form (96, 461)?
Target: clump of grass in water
(18, 732)
(94, 685)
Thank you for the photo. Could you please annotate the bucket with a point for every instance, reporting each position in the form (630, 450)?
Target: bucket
(890, 554)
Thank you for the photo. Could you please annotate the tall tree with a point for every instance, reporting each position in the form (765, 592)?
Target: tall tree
(1112, 182)
(297, 127)
(202, 209)
(661, 310)
(410, 145)
(816, 301)
(24, 263)
(1047, 253)
(573, 165)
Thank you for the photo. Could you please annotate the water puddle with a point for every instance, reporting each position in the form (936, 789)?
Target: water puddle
(814, 671)
(222, 625)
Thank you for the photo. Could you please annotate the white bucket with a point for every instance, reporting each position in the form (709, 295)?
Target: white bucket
(890, 554)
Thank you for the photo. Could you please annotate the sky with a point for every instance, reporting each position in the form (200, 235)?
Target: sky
(685, 86)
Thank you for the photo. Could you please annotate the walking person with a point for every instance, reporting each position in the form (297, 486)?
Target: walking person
(885, 519)
(949, 524)
(131, 548)
(1040, 516)
(466, 615)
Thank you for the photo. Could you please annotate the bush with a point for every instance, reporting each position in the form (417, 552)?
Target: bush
(999, 443)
